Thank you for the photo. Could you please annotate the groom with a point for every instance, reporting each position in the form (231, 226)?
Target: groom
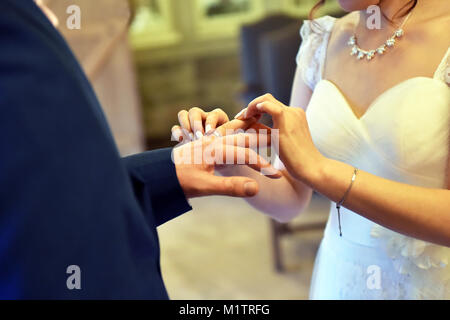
(76, 220)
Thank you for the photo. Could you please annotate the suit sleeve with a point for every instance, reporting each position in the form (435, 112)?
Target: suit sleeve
(65, 193)
(156, 184)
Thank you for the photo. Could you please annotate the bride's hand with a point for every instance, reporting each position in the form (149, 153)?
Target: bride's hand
(297, 150)
(196, 123)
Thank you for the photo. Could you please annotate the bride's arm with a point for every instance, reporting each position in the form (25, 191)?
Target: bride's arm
(418, 212)
(282, 199)
(285, 198)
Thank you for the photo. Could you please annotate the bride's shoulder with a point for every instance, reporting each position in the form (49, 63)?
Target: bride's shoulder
(313, 51)
(321, 29)
(349, 20)
(343, 27)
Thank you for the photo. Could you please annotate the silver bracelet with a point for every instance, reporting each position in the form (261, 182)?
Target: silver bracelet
(340, 203)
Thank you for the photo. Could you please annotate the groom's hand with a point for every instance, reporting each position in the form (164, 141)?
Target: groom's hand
(196, 162)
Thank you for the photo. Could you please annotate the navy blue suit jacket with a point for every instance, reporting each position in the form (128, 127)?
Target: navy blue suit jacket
(66, 196)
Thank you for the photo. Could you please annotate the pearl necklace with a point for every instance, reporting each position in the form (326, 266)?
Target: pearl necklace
(370, 54)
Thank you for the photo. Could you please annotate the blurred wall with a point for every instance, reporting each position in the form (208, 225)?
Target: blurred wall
(186, 58)
(181, 59)
(101, 45)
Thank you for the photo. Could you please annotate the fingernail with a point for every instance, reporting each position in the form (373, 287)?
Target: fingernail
(191, 135)
(212, 133)
(270, 172)
(217, 134)
(199, 135)
(175, 137)
(240, 113)
(208, 128)
(250, 188)
(259, 106)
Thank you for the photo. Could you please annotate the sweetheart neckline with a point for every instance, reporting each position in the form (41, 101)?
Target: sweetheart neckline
(344, 96)
(375, 101)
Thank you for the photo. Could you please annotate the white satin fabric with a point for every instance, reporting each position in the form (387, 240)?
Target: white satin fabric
(404, 136)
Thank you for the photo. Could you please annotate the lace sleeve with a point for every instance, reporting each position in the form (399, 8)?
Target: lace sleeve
(443, 71)
(312, 54)
(416, 258)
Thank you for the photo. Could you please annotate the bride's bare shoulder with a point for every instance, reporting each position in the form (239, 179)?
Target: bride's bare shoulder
(342, 30)
(345, 25)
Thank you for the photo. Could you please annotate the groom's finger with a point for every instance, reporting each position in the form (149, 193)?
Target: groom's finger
(232, 155)
(248, 140)
(235, 125)
(234, 186)
(261, 128)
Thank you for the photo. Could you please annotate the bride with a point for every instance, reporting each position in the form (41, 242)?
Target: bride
(369, 128)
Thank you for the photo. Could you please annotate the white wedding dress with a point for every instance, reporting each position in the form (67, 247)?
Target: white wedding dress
(404, 136)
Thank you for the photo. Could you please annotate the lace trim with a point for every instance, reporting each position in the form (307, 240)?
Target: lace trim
(413, 257)
(312, 54)
(418, 253)
(443, 71)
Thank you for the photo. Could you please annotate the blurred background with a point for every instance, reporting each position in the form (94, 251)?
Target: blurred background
(149, 59)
